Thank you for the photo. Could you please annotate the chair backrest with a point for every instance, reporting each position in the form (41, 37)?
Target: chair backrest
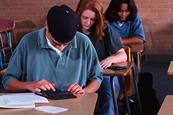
(6, 41)
(128, 53)
(22, 27)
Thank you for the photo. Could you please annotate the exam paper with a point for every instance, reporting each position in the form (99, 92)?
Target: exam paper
(21, 100)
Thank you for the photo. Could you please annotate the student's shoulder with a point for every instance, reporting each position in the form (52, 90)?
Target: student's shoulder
(109, 26)
(137, 18)
(31, 36)
(80, 37)
(109, 30)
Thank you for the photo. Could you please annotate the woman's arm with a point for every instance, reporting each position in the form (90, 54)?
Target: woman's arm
(132, 40)
(119, 56)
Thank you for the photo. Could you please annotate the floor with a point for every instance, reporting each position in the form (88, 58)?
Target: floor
(162, 83)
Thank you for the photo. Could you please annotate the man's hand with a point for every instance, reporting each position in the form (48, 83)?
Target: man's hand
(40, 85)
(76, 90)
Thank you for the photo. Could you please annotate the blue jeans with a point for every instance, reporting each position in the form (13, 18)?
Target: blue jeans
(1, 61)
(104, 104)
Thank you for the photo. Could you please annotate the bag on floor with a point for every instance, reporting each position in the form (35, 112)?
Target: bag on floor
(150, 104)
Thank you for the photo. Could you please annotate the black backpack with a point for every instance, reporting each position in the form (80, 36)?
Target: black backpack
(150, 104)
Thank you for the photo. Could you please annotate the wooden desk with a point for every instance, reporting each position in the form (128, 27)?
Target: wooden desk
(138, 47)
(121, 74)
(167, 106)
(80, 106)
(170, 69)
(124, 72)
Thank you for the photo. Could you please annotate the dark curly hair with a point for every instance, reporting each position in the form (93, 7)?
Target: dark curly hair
(111, 13)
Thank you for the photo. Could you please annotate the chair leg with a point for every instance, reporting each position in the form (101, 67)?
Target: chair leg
(125, 94)
(114, 96)
(135, 75)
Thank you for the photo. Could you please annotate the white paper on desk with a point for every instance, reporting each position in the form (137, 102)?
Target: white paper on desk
(51, 109)
(21, 100)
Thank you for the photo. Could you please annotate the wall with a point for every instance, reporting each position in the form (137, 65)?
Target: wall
(34, 10)
(157, 16)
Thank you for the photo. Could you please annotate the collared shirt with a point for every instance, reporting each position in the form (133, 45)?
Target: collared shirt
(34, 60)
(130, 28)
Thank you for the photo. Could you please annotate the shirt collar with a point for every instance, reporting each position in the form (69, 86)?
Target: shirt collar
(55, 49)
(119, 23)
(42, 42)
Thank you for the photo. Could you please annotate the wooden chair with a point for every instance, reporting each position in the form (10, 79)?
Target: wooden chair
(10, 34)
(137, 51)
(131, 88)
(22, 27)
(6, 41)
(128, 78)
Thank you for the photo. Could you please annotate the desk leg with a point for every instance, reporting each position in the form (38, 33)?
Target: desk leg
(125, 94)
(114, 95)
(139, 61)
(135, 75)
(136, 58)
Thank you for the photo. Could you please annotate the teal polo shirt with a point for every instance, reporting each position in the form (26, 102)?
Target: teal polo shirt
(34, 60)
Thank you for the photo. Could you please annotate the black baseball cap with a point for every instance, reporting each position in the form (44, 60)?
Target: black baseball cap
(62, 23)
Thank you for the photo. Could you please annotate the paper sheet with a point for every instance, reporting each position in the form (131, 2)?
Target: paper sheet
(51, 109)
(21, 100)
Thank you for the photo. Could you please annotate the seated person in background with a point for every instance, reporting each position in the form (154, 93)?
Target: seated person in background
(108, 46)
(56, 56)
(122, 16)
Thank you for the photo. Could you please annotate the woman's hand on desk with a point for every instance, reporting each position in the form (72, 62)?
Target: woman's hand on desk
(40, 85)
(106, 63)
(76, 90)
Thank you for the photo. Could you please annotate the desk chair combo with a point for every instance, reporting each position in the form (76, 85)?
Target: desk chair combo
(128, 84)
(126, 76)
(137, 50)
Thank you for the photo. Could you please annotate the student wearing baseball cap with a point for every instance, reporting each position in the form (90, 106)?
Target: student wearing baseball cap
(55, 57)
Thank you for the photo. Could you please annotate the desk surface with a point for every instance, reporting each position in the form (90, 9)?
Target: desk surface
(167, 106)
(124, 72)
(84, 105)
(138, 47)
(170, 69)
